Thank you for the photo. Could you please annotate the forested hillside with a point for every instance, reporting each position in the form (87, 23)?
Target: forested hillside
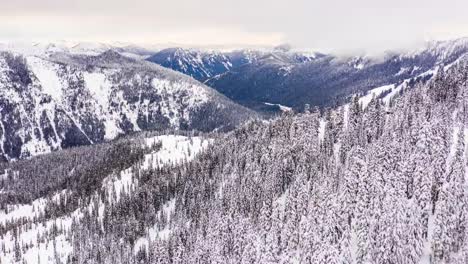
(377, 182)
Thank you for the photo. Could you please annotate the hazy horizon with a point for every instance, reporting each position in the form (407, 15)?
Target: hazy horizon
(326, 26)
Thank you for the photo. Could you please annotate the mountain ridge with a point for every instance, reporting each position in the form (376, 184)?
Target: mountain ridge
(82, 99)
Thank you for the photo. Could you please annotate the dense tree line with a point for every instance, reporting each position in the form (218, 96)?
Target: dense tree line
(374, 184)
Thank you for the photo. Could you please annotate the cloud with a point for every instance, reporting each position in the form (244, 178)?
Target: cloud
(127, 29)
(327, 25)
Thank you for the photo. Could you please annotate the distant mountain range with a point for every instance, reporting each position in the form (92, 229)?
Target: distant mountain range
(203, 65)
(282, 77)
(266, 79)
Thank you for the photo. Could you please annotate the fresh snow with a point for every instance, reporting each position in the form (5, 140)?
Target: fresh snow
(345, 116)
(454, 141)
(111, 129)
(18, 211)
(359, 66)
(175, 149)
(172, 92)
(46, 73)
(99, 87)
(394, 92)
(286, 70)
(427, 251)
(403, 70)
(122, 183)
(154, 233)
(34, 146)
(321, 131)
(45, 252)
(283, 108)
(366, 99)
(393, 89)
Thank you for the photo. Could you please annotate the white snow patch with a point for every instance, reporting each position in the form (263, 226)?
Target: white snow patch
(345, 116)
(366, 99)
(394, 89)
(286, 70)
(174, 149)
(336, 150)
(359, 66)
(283, 108)
(45, 252)
(427, 251)
(99, 87)
(175, 104)
(321, 130)
(403, 70)
(18, 211)
(155, 232)
(124, 183)
(35, 147)
(22, 210)
(46, 73)
(394, 92)
(453, 146)
(111, 129)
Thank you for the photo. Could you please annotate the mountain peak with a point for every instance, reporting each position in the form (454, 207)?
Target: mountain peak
(283, 47)
(110, 54)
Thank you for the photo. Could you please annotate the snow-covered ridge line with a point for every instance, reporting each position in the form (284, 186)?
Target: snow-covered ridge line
(174, 150)
(393, 89)
(283, 108)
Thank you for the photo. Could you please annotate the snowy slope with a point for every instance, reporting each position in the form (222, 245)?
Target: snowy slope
(49, 240)
(384, 183)
(61, 100)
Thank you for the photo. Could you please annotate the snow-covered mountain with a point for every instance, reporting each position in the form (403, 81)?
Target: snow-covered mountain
(79, 48)
(381, 179)
(199, 65)
(203, 64)
(58, 100)
(259, 79)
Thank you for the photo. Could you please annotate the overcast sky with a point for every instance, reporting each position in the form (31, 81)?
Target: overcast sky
(326, 25)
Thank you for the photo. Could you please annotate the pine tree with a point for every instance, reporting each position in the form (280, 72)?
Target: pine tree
(450, 217)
